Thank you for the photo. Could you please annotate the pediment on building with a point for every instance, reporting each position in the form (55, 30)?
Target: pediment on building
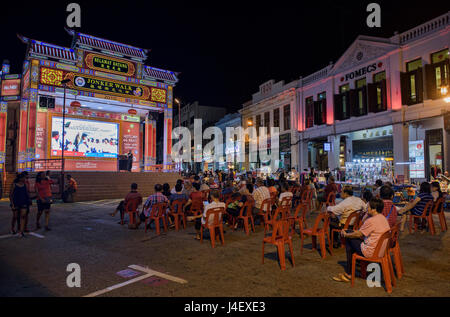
(363, 50)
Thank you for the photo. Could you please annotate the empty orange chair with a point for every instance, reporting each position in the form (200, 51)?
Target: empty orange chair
(426, 214)
(299, 217)
(265, 210)
(438, 209)
(157, 213)
(214, 214)
(320, 233)
(280, 236)
(131, 208)
(246, 215)
(176, 210)
(394, 249)
(384, 260)
(274, 216)
(353, 217)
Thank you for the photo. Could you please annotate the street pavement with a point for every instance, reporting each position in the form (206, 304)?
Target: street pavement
(85, 233)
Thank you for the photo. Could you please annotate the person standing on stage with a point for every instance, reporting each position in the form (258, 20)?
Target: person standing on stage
(129, 161)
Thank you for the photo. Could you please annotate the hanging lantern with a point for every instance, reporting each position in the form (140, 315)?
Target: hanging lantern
(75, 104)
(132, 111)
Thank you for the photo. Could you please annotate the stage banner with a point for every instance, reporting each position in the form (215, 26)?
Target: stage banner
(130, 141)
(41, 136)
(86, 165)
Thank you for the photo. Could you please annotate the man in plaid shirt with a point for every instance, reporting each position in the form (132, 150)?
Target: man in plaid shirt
(157, 197)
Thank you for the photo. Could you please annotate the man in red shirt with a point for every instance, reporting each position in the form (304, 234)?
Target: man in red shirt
(132, 195)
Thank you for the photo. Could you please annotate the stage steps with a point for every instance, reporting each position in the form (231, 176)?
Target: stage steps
(105, 185)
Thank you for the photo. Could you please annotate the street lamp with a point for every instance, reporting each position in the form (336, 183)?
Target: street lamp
(63, 82)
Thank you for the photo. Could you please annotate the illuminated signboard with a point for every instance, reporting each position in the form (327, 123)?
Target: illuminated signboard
(110, 65)
(50, 76)
(416, 159)
(11, 87)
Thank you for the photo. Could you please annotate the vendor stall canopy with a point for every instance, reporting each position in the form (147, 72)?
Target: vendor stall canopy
(84, 42)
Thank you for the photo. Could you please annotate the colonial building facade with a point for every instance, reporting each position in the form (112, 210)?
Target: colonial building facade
(385, 99)
(274, 105)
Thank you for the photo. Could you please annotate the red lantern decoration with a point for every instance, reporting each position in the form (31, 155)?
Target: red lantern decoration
(132, 111)
(75, 104)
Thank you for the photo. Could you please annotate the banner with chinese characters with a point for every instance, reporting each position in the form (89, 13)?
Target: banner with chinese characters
(130, 142)
(110, 64)
(3, 121)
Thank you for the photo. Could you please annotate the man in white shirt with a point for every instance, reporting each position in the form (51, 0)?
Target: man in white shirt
(293, 175)
(339, 213)
(260, 194)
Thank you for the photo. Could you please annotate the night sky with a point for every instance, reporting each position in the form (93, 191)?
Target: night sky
(223, 49)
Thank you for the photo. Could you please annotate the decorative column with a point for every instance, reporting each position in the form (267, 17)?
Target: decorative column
(333, 155)
(3, 126)
(21, 152)
(400, 135)
(31, 129)
(167, 152)
(150, 146)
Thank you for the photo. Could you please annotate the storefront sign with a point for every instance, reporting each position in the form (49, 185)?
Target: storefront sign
(285, 142)
(110, 65)
(362, 71)
(416, 159)
(373, 148)
(10, 87)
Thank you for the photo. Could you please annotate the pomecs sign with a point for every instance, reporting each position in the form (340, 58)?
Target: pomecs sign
(110, 65)
(362, 71)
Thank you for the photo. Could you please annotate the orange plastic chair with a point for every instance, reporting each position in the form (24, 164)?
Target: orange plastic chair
(196, 208)
(157, 213)
(176, 210)
(216, 215)
(299, 217)
(131, 208)
(426, 214)
(280, 236)
(247, 218)
(331, 199)
(320, 233)
(394, 249)
(353, 217)
(307, 198)
(265, 210)
(438, 209)
(272, 218)
(384, 260)
(287, 201)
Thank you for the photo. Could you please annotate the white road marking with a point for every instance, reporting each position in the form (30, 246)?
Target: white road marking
(28, 234)
(149, 272)
(7, 236)
(109, 289)
(36, 235)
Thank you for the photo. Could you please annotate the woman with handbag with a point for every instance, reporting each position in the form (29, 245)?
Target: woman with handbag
(44, 198)
(20, 201)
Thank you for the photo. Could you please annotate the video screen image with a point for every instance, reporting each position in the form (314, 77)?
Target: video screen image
(85, 138)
